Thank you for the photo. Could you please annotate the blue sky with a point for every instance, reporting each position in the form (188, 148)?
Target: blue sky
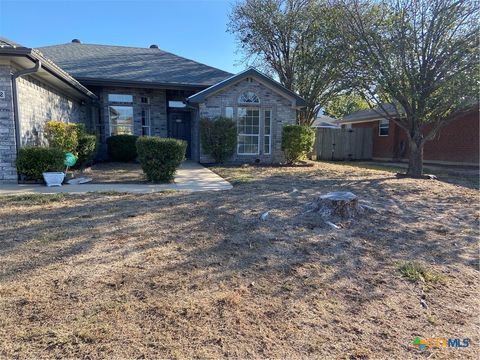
(195, 29)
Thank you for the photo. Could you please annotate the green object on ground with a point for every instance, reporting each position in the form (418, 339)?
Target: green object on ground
(70, 159)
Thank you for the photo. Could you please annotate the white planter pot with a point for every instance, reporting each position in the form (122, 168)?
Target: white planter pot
(54, 178)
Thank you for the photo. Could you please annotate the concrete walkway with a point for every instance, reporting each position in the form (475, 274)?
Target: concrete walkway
(191, 176)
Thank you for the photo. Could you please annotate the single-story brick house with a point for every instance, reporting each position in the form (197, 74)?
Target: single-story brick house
(140, 91)
(455, 144)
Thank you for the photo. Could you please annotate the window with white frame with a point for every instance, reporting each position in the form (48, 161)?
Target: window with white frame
(248, 97)
(121, 120)
(383, 127)
(120, 98)
(248, 127)
(176, 104)
(267, 132)
(229, 112)
(146, 127)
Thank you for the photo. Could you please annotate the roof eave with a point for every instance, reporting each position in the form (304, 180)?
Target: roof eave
(49, 66)
(139, 84)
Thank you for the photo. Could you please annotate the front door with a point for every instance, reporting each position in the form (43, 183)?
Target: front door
(179, 127)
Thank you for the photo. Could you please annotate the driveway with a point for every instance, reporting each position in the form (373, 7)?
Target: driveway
(191, 176)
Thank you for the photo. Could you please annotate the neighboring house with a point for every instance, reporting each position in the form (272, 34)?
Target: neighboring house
(140, 91)
(325, 121)
(455, 144)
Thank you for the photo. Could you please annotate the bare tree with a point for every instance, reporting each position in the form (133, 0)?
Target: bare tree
(294, 40)
(420, 56)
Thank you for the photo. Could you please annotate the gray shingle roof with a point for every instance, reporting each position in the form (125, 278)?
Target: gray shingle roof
(129, 64)
(4, 42)
(11, 48)
(370, 114)
(324, 121)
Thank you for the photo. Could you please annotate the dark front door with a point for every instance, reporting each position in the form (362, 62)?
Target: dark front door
(179, 127)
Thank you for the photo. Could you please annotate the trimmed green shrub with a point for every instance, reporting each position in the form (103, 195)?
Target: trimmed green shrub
(86, 149)
(160, 157)
(122, 147)
(297, 142)
(218, 138)
(62, 135)
(33, 161)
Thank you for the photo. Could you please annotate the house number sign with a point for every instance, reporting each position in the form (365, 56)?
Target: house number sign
(2, 95)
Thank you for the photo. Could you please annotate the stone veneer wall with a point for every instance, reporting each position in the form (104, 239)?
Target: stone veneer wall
(157, 105)
(8, 153)
(282, 114)
(39, 103)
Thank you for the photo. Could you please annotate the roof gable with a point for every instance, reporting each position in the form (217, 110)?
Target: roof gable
(108, 63)
(251, 72)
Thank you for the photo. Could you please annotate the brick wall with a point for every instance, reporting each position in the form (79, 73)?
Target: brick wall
(8, 172)
(282, 114)
(157, 106)
(39, 103)
(383, 146)
(458, 142)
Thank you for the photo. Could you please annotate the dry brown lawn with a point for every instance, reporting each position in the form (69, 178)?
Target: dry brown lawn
(176, 275)
(114, 172)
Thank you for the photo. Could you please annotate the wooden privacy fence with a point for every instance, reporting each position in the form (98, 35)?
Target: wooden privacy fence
(343, 144)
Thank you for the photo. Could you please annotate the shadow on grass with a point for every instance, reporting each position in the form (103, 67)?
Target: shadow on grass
(221, 232)
(468, 177)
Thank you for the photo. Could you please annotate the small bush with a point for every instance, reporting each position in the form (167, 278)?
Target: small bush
(122, 147)
(33, 161)
(218, 138)
(86, 148)
(159, 157)
(62, 135)
(297, 142)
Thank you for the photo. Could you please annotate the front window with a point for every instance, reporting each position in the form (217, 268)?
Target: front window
(146, 122)
(229, 112)
(248, 124)
(383, 127)
(120, 98)
(267, 142)
(176, 104)
(121, 120)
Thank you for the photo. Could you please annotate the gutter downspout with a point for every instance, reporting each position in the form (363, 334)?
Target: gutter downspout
(15, 75)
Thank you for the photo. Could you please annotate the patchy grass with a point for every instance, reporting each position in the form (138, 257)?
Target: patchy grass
(35, 199)
(199, 275)
(114, 172)
(468, 177)
(416, 272)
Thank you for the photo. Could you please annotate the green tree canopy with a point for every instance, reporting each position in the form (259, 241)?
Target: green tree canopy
(345, 104)
(295, 41)
(422, 56)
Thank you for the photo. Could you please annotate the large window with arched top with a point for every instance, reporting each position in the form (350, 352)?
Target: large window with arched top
(248, 97)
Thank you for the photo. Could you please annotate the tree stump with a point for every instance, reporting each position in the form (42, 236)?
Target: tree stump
(342, 204)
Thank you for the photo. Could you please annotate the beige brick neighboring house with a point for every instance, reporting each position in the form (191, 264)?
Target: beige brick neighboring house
(139, 91)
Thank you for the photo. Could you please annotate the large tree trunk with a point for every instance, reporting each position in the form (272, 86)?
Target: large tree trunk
(415, 159)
